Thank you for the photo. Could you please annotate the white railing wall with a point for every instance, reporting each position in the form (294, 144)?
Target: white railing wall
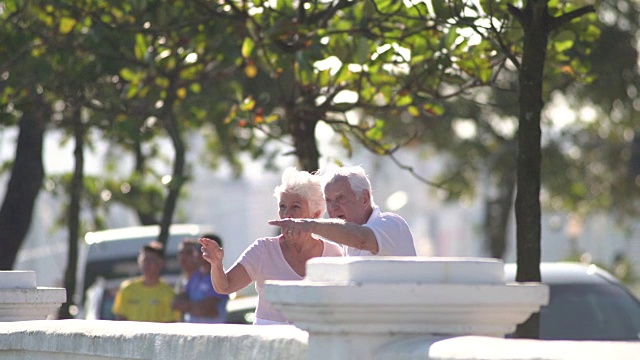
(346, 308)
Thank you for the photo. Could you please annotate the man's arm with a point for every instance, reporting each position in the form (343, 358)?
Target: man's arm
(339, 231)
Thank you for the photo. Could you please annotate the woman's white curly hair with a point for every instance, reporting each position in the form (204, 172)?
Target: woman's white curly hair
(305, 184)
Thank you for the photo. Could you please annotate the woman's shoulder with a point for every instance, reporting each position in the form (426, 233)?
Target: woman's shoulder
(260, 250)
(270, 240)
(265, 242)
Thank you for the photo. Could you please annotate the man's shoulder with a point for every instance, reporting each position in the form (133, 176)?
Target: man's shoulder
(164, 286)
(132, 282)
(389, 216)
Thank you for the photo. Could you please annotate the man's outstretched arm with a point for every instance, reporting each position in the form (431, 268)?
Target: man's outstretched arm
(336, 230)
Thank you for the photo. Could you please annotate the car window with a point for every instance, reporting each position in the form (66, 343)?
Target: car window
(590, 312)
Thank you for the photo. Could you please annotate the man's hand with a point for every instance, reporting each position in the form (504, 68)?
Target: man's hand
(293, 228)
(180, 303)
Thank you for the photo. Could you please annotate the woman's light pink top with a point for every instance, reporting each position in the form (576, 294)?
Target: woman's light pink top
(263, 261)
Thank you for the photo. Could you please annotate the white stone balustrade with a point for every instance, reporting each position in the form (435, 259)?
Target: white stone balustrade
(353, 307)
(21, 299)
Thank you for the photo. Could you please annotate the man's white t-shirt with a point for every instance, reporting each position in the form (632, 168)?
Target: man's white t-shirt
(263, 261)
(392, 233)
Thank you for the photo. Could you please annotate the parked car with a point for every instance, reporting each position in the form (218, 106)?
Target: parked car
(586, 303)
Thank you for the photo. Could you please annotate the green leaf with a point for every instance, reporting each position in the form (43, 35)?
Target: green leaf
(247, 47)
(592, 33)
(361, 50)
(346, 144)
(433, 109)
(140, 48)
(271, 118)
(127, 74)
(404, 100)
(131, 92)
(564, 41)
(450, 39)
(376, 133)
(248, 104)
(195, 88)
(66, 25)
(385, 5)
(485, 74)
(162, 82)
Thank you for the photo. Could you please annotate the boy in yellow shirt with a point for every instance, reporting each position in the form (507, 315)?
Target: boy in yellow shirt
(146, 298)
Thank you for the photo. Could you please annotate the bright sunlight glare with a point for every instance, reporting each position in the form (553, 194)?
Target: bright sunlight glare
(332, 63)
(464, 128)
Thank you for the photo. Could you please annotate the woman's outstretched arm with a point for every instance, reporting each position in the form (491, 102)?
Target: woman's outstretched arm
(223, 282)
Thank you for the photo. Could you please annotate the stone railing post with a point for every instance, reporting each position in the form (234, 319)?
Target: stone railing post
(21, 299)
(353, 307)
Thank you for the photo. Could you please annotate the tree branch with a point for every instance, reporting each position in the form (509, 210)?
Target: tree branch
(559, 21)
(516, 13)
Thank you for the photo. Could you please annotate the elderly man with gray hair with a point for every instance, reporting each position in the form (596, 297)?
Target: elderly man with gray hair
(356, 221)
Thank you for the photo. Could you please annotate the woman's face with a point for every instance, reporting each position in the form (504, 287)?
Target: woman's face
(293, 206)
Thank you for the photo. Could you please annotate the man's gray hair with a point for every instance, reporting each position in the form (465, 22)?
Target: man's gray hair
(305, 184)
(357, 178)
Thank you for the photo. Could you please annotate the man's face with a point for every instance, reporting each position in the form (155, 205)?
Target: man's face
(343, 203)
(150, 263)
(188, 258)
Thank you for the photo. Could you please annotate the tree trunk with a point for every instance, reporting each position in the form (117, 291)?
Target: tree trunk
(304, 141)
(24, 185)
(302, 118)
(535, 22)
(178, 177)
(634, 160)
(146, 217)
(73, 215)
(497, 215)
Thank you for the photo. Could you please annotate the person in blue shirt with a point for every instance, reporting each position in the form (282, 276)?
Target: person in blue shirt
(198, 301)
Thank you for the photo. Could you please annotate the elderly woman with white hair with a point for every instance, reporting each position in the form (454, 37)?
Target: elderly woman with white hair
(276, 258)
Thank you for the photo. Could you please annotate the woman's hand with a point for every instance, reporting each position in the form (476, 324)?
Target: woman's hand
(211, 251)
(223, 282)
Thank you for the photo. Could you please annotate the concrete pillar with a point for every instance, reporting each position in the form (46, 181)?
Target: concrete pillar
(21, 299)
(353, 307)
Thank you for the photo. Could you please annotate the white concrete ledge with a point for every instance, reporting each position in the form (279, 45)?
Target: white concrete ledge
(103, 339)
(16, 279)
(21, 299)
(491, 348)
(353, 307)
(406, 295)
(402, 269)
